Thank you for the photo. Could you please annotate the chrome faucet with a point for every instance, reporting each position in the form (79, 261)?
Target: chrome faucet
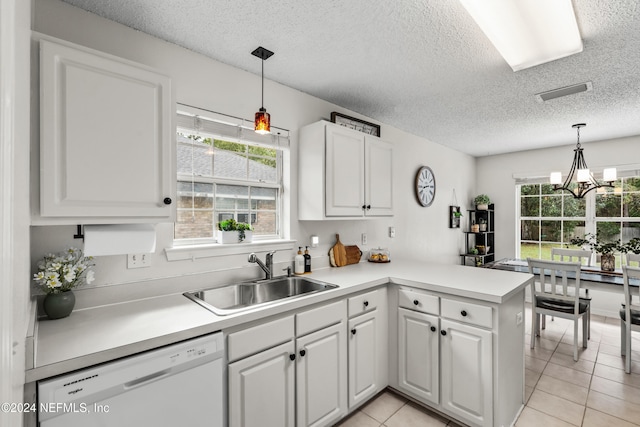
(266, 266)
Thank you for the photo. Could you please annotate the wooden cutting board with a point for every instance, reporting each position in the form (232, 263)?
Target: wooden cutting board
(353, 254)
(339, 253)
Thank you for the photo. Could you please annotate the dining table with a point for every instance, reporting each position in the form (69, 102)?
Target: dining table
(591, 277)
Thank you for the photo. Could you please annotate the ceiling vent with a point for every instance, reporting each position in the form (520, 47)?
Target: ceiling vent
(563, 91)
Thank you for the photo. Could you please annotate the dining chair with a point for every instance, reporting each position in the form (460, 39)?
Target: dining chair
(629, 314)
(584, 257)
(552, 295)
(631, 257)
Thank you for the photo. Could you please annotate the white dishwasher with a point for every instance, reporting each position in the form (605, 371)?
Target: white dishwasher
(178, 385)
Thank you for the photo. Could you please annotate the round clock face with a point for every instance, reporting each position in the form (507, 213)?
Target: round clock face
(425, 186)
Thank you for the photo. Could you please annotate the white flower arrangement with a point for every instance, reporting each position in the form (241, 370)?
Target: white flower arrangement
(64, 271)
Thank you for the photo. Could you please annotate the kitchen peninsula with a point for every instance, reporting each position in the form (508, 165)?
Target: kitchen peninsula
(466, 322)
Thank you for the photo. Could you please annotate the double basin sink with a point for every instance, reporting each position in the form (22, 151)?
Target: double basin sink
(233, 298)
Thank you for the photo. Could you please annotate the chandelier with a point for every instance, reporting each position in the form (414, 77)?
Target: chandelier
(584, 179)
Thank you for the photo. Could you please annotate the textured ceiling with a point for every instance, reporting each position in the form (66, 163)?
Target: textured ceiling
(421, 66)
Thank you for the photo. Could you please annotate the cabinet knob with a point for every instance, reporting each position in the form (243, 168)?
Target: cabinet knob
(292, 356)
(416, 302)
(366, 303)
(443, 332)
(368, 207)
(364, 207)
(464, 313)
(353, 331)
(167, 200)
(433, 329)
(302, 353)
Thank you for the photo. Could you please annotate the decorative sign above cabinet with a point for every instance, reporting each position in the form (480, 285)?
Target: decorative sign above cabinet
(357, 124)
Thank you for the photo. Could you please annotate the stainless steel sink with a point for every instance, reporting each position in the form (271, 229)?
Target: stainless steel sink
(236, 297)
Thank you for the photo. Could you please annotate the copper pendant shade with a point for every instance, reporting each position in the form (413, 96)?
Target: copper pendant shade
(262, 122)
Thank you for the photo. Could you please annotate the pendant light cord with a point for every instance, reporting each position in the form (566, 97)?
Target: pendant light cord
(262, 100)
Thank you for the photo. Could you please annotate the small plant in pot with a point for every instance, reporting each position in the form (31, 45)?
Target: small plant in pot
(482, 202)
(58, 275)
(245, 233)
(483, 224)
(231, 231)
(607, 250)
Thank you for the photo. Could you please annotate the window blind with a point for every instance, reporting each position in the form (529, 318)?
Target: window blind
(226, 127)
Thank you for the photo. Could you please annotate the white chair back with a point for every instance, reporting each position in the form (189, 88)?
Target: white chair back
(631, 257)
(552, 280)
(631, 293)
(552, 295)
(629, 314)
(582, 256)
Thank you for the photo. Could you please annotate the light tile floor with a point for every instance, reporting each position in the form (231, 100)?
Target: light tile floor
(593, 392)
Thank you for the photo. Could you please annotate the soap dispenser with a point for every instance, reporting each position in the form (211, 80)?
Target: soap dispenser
(307, 260)
(298, 264)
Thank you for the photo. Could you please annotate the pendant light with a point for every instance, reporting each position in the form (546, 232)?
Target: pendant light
(584, 179)
(262, 122)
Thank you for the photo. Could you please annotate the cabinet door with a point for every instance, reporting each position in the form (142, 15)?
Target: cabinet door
(418, 349)
(379, 177)
(261, 389)
(363, 357)
(344, 192)
(466, 369)
(321, 376)
(106, 136)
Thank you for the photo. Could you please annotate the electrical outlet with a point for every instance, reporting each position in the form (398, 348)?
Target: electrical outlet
(519, 318)
(364, 238)
(392, 232)
(138, 260)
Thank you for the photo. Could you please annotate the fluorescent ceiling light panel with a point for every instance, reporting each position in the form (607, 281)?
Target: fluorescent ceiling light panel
(528, 32)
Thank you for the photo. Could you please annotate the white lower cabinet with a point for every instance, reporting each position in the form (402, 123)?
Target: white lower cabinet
(261, 389)
(449, 351)
(419, 354)
(321, 376)
(362, 358)
(301, 382)
(467, 374)
(367, 346)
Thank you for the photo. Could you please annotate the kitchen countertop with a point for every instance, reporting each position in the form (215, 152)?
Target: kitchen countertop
(100, 334)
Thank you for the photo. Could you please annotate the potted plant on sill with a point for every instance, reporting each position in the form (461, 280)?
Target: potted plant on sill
(607, 250)
(482, 202)
(230, 231)
(632, 246)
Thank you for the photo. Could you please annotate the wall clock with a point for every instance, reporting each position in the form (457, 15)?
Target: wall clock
(425, 186)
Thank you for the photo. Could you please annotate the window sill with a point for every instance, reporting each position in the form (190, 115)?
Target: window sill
(193, 252)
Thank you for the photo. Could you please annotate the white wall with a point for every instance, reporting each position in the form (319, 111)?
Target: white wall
(495, 178)
(421, 233)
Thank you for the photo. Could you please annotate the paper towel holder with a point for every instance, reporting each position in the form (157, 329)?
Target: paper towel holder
(79, 233)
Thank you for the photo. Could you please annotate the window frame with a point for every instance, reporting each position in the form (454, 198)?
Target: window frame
(236, 132)
(591, 220)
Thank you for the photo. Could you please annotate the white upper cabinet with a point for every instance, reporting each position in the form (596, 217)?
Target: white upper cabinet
(343, 173)
(106, 138)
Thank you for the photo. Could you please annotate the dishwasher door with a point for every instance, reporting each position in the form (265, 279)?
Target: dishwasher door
(177, 385)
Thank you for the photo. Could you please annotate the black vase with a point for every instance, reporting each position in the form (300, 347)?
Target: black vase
(59, 305)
